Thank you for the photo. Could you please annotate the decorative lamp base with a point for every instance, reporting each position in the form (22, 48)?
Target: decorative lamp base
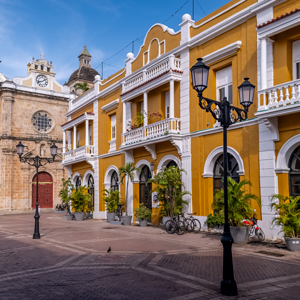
(228, 288)
(36, 236)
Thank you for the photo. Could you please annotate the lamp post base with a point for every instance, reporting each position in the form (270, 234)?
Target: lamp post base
(228, 288)
(36, 236)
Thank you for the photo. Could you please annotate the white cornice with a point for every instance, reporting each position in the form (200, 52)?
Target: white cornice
(110, 154)
(77, 121)
(110, 105)
(278, 111)
(222, 53)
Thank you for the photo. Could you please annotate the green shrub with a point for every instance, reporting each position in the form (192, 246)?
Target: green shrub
(143, 213)
(81, 199)
(216, 219)
(111, 199)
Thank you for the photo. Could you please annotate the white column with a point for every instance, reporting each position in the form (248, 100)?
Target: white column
(87, 132)
(124, 117)
(64, 141)
(69, 140)
(145, 109)
(263, 62)
(74, 137)
(172, 101)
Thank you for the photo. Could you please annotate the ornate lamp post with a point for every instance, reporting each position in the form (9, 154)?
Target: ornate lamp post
(36, 162)
(227, 115)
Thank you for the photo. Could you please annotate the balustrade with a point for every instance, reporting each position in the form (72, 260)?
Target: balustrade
(84, 151)
(279, 95)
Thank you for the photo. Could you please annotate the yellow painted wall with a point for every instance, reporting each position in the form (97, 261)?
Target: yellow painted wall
(285, 7)
(245, 142)
(171, 42)
(244, 64)
(283, 184)
(109, 81)
(88, 108)
(283, 54)
(154, 49)
(81, 168)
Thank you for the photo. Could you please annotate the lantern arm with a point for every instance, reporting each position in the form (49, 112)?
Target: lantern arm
(237, 114)
(212, 106)
(36, 161)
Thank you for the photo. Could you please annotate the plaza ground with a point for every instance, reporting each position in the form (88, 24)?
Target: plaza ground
(70, 261)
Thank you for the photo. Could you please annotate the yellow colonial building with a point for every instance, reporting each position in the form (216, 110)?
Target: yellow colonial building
(259, 39)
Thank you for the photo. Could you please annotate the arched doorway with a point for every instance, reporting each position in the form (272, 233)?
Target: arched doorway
(114, 181)
(171, 163)
(233, 168)
(294, 174)
(45, 187)
(77, 182)
(145, 188)
(90, 184)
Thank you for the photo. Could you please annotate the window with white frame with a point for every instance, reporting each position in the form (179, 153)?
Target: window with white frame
(167, 105)
(296, 60)
(113, 127)
(224, 84)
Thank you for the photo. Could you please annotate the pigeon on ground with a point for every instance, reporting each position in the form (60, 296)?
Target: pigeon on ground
(109, 249)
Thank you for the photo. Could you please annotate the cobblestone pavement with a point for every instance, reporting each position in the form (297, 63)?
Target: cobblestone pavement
(70, 261)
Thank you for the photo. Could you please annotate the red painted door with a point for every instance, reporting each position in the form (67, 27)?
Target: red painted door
(45, 190)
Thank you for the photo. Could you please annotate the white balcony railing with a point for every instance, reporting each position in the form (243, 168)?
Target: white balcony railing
(162, 66)
(279, 95)
(164, 127)
(113, 146)
(81, 152)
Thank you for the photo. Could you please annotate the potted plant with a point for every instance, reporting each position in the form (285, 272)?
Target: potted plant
(111, 199)
(64, 194)
(214, 221)
(81, 200)
(168, 185)
(239, 208)
(288, 216)
(143, 214)
(128, 172)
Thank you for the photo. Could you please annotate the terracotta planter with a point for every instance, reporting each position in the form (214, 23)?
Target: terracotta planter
(110, 217)
(143, 223)
(293, 244)
(239, 234)
(79, 216)
(126, 220)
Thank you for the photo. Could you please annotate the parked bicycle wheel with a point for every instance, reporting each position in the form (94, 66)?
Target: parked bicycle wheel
(170, 226)
(197, 225)
(180, 228)
(189, 225)
(260, 234)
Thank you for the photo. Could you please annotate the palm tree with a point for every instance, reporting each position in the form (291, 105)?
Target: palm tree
(81, 86)
(128, 172)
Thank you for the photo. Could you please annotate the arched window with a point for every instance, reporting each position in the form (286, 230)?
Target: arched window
(171, 163)
(233, 167)
(77, 183)
(114, 181)
(145, 188)
(90, 185)
(294, 166)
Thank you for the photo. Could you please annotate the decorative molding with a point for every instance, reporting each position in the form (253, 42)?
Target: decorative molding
(85, 176)
(78, 120)
(272, 125)
(284, 154)
(166, 159)
(213, 156)
(110, 105)
(140, 164)
(151, 149)
(178, 144)
(222, 53)
(107, 176)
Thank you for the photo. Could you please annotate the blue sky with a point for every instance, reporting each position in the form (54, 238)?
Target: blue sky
(60, 29)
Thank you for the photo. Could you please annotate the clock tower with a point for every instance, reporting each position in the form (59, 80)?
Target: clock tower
(40, 75)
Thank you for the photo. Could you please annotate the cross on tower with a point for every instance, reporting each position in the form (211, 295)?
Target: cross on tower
(42, 55)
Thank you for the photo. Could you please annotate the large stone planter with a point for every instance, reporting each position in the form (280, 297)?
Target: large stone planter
(110, 217)
(293, 244)
(126, 220)
(165, 219)
(79, 216)
(239, 234)
(143, 223)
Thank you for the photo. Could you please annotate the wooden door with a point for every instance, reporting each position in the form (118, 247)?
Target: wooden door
(45, 190)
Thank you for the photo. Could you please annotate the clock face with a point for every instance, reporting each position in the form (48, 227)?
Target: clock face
(42, 81)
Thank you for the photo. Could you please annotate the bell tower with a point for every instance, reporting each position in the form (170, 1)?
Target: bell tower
(84, 58)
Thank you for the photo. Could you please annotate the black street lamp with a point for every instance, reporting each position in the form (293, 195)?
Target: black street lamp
(227, 115)
(36, 162)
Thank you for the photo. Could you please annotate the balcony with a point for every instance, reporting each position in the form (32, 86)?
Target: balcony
(78, 154)
(155, 130)
(279, 96)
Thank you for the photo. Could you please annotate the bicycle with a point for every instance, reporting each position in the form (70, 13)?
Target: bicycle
(175, 225)
(196, 223)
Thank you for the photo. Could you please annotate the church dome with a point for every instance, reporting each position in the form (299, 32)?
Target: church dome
(84, 73)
